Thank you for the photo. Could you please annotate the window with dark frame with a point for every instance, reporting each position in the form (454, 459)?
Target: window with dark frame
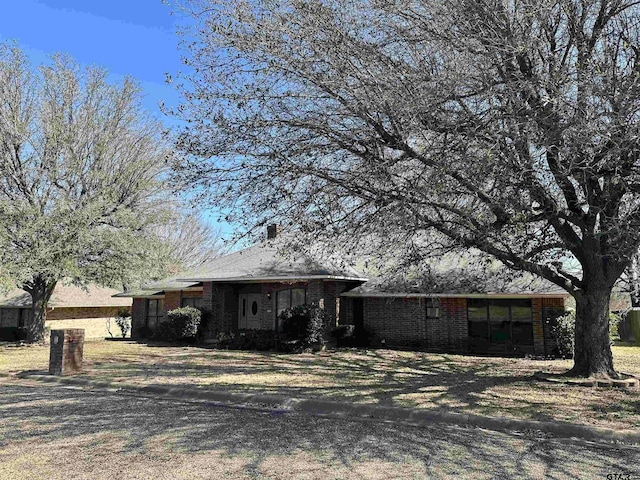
(433, 307)
(501, 321)
(155, 312)
(292, 297)
(195, 302)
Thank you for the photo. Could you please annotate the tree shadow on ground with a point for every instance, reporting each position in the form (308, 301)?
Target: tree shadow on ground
(149, 428)
(484, 385)
(361, 376)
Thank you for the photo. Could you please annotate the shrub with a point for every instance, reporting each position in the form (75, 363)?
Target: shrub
(165, 331)
(564, 331)
(260, 340)
(123, 320)
(183, 321)
(10, 334)
(614, 323)
(304, 324)
(144, 332)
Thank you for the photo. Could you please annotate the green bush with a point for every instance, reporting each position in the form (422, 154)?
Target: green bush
(563, 330)
(614, 323)
(164, 331)
(123, 320)
(305, 324)
(142, 332)
(184, 322)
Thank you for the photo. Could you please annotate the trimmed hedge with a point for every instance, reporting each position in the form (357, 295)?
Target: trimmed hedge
(181, 324)
(305, 324)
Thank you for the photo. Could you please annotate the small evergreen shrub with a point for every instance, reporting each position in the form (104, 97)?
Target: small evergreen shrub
(144, 332)
(184, 322)
(614, 323)
(123, 320)
(304, 324)
(564, 332)
(165, 331)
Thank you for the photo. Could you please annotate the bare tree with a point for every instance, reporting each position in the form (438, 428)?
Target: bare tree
(79, 165)
(509, 126)
(189, 241)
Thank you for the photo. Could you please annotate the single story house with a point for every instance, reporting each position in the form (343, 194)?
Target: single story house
(249, 288)
(69, 307)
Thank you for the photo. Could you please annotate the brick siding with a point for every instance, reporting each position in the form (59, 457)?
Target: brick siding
(455, 334)
(138, 314)
(402, 321)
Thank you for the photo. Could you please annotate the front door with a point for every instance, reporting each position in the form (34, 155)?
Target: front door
(249, 311)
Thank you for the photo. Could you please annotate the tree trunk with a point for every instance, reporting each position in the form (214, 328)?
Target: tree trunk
(592, 351)
(633, 272)
(40, 289)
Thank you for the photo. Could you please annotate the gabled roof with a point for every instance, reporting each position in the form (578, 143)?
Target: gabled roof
(269, 261)
(68, 296)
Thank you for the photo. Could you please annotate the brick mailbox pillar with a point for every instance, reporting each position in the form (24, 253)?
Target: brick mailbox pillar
(65, 354)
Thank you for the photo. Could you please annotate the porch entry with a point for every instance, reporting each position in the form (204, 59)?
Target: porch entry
(249, 311)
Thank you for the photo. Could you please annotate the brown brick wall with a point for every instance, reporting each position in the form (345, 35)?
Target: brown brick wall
(397, 321)
(315, 292)
(403, 321)
(224, 307)
(172, 300)
(68, 313)
(346, 311)
(453, 312)
(138, 313)
(207, 295)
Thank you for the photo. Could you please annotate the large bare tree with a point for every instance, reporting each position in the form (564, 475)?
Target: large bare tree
(79, 166)
(509, 126)
(188, 240)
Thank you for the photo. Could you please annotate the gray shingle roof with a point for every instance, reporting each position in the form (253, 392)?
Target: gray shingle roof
(267, 261)
(459, 274)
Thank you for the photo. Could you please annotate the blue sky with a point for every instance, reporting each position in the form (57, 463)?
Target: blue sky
(128, 37)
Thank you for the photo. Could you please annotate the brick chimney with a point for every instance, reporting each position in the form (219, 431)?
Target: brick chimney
(273, 231)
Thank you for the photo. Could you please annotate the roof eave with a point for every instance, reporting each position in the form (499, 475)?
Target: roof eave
(456, 295)
(275, 279)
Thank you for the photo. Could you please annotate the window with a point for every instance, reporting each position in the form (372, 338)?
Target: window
(10, 317)
(195, 302)
(290, 298)
(433, 307)
(501, 321)
(477, 315)
(155, 312)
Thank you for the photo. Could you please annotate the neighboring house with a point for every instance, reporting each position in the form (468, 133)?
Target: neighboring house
(69, 307)
(249, 288)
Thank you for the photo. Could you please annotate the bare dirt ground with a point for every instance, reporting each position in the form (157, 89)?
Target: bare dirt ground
(470, 384)
(61, 433)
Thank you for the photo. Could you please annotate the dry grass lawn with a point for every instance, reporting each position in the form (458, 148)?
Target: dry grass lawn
(470, 384)
(61, 433)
